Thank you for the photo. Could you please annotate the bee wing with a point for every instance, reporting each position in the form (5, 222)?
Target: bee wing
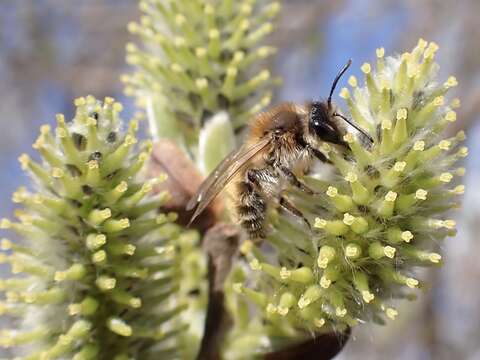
(222, 175)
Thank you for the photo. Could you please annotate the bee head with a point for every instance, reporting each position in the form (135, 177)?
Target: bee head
(322, 117)
(321, 124)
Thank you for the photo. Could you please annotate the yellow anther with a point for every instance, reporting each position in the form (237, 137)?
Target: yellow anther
(380, 52)
(402, 114)
(319, 322)
(439, 101)
(422, 44)
(352, 81)
(351, 177)
(285, 273)
(271, 309)
(200, 52)
(238, 288)
(419, 145)
(421, 194)
(411, 282)
(444, 145)
(320, 223)
(367, 296)
(451, 116)
(391, 196)
(366, 68)
(201, 83)
(386, 124)
(449, 224)
(451, 82)
(325, 282)
(458, 190)
(435, 258)
(348, 138)
(246, 247)
(406, 236)
(446, 177)
(332, 191)
(348, 219)
(255, 264)
(214, 34)
(391, 313)
(389, 251)
(399, 166)
(57, 173)
(344, 93)
(24, 160)
(340, 312)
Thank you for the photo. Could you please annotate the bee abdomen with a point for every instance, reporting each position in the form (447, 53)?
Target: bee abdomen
(251, 210)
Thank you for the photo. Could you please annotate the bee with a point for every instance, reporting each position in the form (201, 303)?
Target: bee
(281, 143)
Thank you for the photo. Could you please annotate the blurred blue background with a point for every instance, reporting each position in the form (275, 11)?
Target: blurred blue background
(52, 51)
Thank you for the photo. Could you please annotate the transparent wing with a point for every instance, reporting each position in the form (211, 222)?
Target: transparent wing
(222, 175)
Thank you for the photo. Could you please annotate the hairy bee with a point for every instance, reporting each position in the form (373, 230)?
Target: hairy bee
(281, 142)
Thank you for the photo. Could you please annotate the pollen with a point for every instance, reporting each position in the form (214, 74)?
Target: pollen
(451, 116)
(380, 52)
(57, 173)
(325, 282)
(367, 296)
(284, 273)
(319, 322)
(344, 93)
(352, 81)
(332, 191)
(399, 166)
(391, 196)
(406, 56)
(366, 68)
(5, 224)
(406, 236)
(351, 177)
(421, 194)
(446, 177)
(117, 107)
(264, 75)
(391, 313)
(93, 164)
(122, 187)
(460, 135)
(444, 145)
(402, 114)
(419, 145)
(411, 283)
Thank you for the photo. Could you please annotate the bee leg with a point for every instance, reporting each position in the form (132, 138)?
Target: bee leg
(288, 206)
(292, 179)
(319, 155)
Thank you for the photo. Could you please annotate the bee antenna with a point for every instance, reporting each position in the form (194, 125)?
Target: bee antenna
(334, 85)
(363, 132)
